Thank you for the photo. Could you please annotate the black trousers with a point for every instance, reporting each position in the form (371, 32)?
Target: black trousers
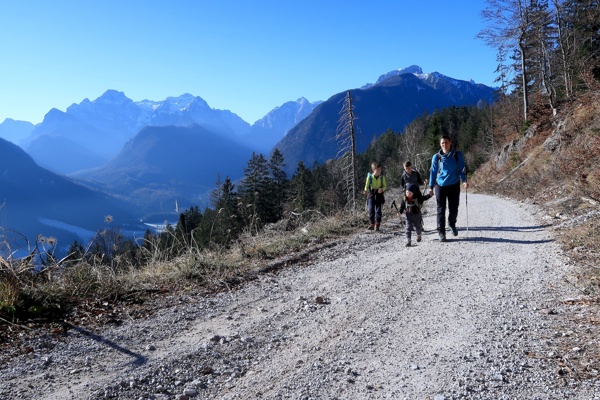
(451, 195)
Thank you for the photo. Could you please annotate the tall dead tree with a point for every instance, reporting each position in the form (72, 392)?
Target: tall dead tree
(510, 26)
(564, 47)
(346, 139)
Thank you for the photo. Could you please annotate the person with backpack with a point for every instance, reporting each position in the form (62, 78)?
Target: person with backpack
(447, 171)
(411, 204)
(375, 187)
(411, 175)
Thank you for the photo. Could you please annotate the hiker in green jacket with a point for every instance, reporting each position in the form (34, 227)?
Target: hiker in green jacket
(375, 187)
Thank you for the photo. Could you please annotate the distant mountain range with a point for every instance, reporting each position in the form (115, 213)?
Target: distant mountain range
(167, 165)
(15, 131)
(90, 133)
(392, 103)
(35, 201)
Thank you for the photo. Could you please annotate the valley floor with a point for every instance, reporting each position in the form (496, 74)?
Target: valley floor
(486, 315)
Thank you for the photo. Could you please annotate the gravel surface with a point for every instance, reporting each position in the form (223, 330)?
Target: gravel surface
(478, 317)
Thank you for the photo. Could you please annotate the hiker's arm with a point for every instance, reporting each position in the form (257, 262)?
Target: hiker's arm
(433, 171)
(462, 168)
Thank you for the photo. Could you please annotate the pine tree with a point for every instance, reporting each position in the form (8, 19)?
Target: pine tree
(510, 33)
(256, 189)
(227, 223)
(280, 184)
(76, 252)
(303, 189)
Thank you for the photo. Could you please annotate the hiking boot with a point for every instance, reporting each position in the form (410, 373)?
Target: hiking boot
(454, 231)
(371, 227)
(377, 227)
(408, 243)
(419, 237)
(442, 237)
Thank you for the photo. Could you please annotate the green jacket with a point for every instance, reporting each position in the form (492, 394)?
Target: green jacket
(375, 182)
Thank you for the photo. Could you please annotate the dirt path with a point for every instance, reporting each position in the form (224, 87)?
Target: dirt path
(475, 318)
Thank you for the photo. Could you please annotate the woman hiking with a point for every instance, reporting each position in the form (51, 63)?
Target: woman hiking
(447, 171)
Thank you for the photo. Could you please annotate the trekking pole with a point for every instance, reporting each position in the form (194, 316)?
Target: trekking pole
(467, 199)
(397, 211)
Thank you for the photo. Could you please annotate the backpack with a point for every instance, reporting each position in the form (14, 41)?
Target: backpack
(439, 162)
(418, 203)
(370, 175)
(406, 177)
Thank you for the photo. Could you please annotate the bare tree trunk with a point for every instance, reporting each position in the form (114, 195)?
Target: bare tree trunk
(346, 138)
(524, 81)
(353, 150)
(563, 48)
(523, 24)
(509, 31)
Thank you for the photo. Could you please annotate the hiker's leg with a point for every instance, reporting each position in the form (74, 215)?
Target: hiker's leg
(440, 197)
(453, 200)
(371, 211)
(419, 224)
(378, 212)
(409, 226)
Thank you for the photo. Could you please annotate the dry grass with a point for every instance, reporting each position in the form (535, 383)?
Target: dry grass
(57, 291)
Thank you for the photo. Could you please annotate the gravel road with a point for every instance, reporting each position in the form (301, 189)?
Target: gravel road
(478, 317)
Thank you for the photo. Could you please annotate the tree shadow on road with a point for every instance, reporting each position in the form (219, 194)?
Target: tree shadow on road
(497, 240)
(535, 228)
(467, 237)
(138, 359)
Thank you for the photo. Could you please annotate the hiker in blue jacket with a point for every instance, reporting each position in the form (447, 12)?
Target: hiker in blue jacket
(447, 171)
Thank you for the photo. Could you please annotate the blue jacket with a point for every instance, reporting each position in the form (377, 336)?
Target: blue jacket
(447, 169)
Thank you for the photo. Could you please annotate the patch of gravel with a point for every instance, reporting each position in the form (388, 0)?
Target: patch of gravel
(479, 317)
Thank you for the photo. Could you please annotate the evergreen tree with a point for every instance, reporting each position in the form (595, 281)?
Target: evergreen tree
(582, 23)
(76, 252)
(227, 223)
(434, 131)
(303, 188)
(256, 191)
(280, 184)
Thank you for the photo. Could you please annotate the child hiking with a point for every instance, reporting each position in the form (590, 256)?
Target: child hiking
(375, 187)
(411, 205)
(411, 175)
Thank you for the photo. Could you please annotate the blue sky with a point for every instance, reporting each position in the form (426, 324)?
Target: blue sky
(244, 56)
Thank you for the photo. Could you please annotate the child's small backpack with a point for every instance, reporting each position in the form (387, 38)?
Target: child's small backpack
(416, 198)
